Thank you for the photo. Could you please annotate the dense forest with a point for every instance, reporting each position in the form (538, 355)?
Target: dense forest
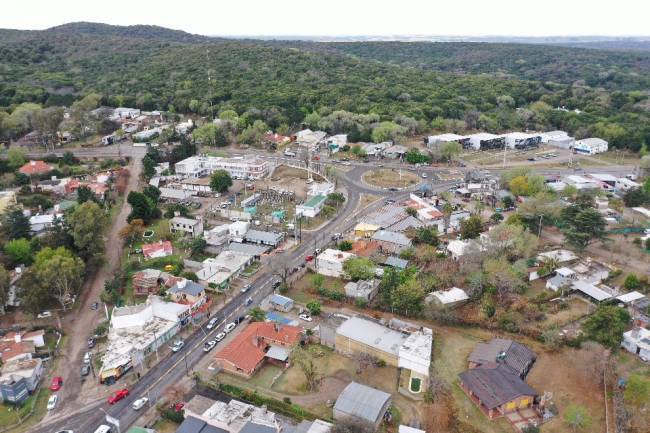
(422, 86)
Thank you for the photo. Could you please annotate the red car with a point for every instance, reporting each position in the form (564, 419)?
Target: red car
(309, 258)
(57, 383)
(119, 395)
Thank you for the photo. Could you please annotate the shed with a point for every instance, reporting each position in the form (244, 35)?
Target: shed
(281, 303)
(363, 403)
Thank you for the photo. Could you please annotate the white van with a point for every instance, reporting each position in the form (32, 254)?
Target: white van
(103, 429)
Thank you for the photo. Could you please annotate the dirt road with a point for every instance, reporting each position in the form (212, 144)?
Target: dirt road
(78, 325)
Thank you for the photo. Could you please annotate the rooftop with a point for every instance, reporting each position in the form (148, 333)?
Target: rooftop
(391, 237)
(362, 401)
(372, 334)
(495, 384)
(515, 355)
(315, 201)
(451, 296)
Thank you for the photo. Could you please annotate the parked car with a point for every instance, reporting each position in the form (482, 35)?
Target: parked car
(309, 258)
(209, 345)
(306, 317)
(220, 336)
(94, 305)
(246, 288)
(44, 315)
(85, 370)
(119, 395)
(178, 345)
(276, 284)
(249, 301)
(91, 342)
(424, 176)
(87, 357)
(57, 383)
(212, 323)
(389, 201)
(229, 327)
(139, 403)
(393, 189)
(51, 402)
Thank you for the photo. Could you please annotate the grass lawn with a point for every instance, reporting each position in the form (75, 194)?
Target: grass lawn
(264, 377)
(386, 178)
(8, 414)
(302, 290)
(252, 269)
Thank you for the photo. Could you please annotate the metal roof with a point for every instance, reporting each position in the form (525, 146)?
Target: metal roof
(396, 262)
(391, 237)
(495, 385)
(372, 334)
(515, 355)
(362, 401)
(195, 425)
(261, 236)
(250, 249)
(281, 300)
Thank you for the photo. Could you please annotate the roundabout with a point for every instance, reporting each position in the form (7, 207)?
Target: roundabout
(390, 178)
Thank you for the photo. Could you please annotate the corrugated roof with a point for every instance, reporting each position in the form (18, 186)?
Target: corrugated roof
(251, 427)
(396, 262)
(391, 237)
(372, 334)
(516, 356)
(495, 385)
(362, 401)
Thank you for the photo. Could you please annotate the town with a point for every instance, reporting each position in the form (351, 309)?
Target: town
(213, 267)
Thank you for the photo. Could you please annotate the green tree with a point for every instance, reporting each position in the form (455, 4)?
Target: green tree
(606, 325)
(314, 307)
(470, 228)
(427, 235)
(84, 194)
(220, 181)
(254, 133)
(344, 245)
(359, 268)
(142, 207)
(60, 271)
(152, 192)
(577, 417)
(637, 391)
(148, 167)
(335, 199)
(69, 158)
(408, 298)
(413, 156)
(132, 232)
(583, 225)
(636, 197)
(632, 282)
(257, 314)
(14, 223)
(5, 285)
(450, 150)
(388, 131)
(87, 224)
(15, 158)
(19, 251)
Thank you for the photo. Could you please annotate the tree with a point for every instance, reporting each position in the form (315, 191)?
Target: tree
(15, 224)
(69, 158)
(317, 281)
(637, 391)
(197, 246)
(427, 235)
(636, 197)
(606, 325)
(5, 285)
(254, 134)
(450, 150)
(257, 314)
(447, 211)
(411, 211)
(314, 307)
(582, 225)
(306, 363)
(47, 122)
(408, 298)
(508, 202)
(15, 158)
(84, 194)
(80, 114)
(519, 186)
(352, 425)
(336, 199)
(359, 268)
(632, 282)
(211, 134)
(19, 251)
(87, 223)
(496, 217)
(220, 181)
(61, 272)
(152, 192)
(148, 167)
(577, 417)
(388, 131)
(142, 207)
(470, 228)
(132, 231)
(413, 156)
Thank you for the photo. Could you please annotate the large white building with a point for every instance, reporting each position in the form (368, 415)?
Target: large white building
(558, 139)
(435, 140)
(330, 262)
(238, 167)
(522, 140)
(590, 146)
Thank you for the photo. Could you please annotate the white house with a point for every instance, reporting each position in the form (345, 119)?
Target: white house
(458, 248)
(218, 235)
(336, 142)
(448, 298)
(637, 341)
(483, 141)
(184, 127)
(330, 262)
(193, 227)
(311, 207)
(590, 146)
(238, 229)
(249, 167)
(564, 277)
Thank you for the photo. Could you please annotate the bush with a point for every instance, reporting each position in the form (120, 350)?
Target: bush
(172, 415)
(361, 303)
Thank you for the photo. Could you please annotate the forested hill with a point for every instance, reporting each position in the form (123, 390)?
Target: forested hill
(495, 87)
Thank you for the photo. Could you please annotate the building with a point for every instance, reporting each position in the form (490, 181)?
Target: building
(311, 207)
(320, 188)
(191, 226)
(315, 426)
(248, 167)
(375, 149)
(625, 184)
(39, 223)
(35, 168)
(391, 242)
(29, 369)
(396, 262)
(561, 256)
(436, 140)
(581, 182)
(590, 146)
(136, 331)
(238, 229)
(220, 270)
(394, 152)
(522, 141)
(483, 141)
(247, 351)
(414, 358)
(365, 230)
(7, 199)
(274, 139)
(330, 262)
(637, 341)
(558, 139)
(204, 415)
(563, 278)
(310, 139)
(188, 292)
(218, 235)
(146, 282)
(175, 195)
(281, 303)
(36, 337)
(16, 350)
(363, 403)
(13, 389)
(514, 355)
(591, 290)
(458, 248)
(448, 298)
(272, 239)
(336, 142)
(364, 289)
(183, 128)
(157, 250)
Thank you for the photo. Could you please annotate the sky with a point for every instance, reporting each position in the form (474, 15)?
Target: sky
(346, 17)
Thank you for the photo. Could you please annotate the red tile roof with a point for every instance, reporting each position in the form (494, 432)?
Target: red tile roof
(35, 167)
(11, 349)
(157, 249)
(247, 350)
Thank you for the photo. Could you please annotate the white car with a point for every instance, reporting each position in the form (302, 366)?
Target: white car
(51, 402)
(424, 176)
(44, 315)
(212, 323)
(139, 403)
(178, 346)
(220, 336)
(306, 317)
(87, 357)
(209, 345)
(229, 327)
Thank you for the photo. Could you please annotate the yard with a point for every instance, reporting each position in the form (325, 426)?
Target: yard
(390, 178)
(302, 290)
(9, 416)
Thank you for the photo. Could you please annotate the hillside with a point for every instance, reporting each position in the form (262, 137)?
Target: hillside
(478, 85)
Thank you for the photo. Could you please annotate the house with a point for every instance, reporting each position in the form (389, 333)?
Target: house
(391, 242)
(204, 415)
(272, 239)
(157, 250)
(16, 349)
(414, 359)
(315, 426)
(136, 331)
(36, 337)
(395, 151)
(248, 350)
(625, 184)
(310, 139)
(188, 292)
(590, 146)
(238, 229)
(563, 278)
(183, 128)
(514, 355)
(274, 139)
(497, 389)
(35, 168)
(396, 262)
(558, 139)
(13, 389)
(29, 369)
(218, 235)
(336, 142)
(7, 199)
(281, 303)
(591, 290)
(436, 140)
(375, 149)
(581, 183)
(311, 207)
(363, 403)
(255, 251)
(220, 270)
(483, 141)
(448, 298)
(406, 429)
(561, 256)
(247, 167)
(364, 289)
(458, 248)
(320, 188)
(191, 226)
(637, 341)
(146, 281)
(330, 262)
(365, 230)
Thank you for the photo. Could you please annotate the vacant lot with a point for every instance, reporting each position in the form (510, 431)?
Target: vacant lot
(390, 178)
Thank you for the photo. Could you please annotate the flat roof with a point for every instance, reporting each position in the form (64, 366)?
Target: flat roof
(591, 290)
(372, 334)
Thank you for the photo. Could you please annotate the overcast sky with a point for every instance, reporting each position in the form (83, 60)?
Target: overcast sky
(346, 17)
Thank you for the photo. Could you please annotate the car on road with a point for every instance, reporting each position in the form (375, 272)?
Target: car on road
(139, 403)
(346, 163)
(389, 201)
(178, 345)
(309, 258)
(87, 357)
(229, 327)
(249, 301)
(119, 395)
(393, 189)
(57, 383)
(220, 336)
(306, 317)
(276, 284)
(51, 402)
(246, 288)
(424, 175)
(44, 315)
(212, 323)
(94, 305)
(85, 370)
(209, 345)
(91, 342)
